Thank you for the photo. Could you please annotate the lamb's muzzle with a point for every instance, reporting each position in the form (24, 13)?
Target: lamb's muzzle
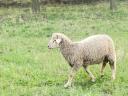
(92, 50)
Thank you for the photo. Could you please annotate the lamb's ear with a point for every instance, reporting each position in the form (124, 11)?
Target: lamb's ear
(58, 40)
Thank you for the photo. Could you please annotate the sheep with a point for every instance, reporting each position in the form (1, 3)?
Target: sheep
(95, 49)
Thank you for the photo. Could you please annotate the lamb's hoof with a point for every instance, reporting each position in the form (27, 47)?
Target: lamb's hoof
(93, 80)
(67, 85)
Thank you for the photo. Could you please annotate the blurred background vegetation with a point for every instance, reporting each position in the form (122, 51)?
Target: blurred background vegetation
(36, 3)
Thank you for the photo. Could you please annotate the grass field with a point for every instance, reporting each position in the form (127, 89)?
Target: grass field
(28, 68)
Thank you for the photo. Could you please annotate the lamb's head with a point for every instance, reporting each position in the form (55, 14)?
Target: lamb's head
(55, 41)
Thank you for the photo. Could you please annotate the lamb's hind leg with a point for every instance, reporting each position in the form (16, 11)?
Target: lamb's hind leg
(102, 68)
(112, 63)
(93, 79)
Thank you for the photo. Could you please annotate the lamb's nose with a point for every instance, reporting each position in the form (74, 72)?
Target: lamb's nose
(48, 47)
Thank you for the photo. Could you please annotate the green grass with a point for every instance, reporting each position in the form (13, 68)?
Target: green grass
(28, 68)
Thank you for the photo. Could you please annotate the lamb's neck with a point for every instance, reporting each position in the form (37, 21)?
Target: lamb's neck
(66, 50)
(66, 45)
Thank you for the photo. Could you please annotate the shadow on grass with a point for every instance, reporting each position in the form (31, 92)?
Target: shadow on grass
(88, 83)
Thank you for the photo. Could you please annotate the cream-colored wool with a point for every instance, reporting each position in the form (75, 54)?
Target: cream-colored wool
(92, 50)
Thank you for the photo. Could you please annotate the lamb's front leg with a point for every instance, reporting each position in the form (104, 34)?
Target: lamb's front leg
(93, 79)
(71, 76)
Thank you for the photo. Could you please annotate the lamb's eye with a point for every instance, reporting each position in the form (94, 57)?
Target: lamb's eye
(54, 40)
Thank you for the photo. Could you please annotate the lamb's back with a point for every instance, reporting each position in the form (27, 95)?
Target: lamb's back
(96, 47)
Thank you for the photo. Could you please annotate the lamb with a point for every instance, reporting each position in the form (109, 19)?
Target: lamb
(92, 50)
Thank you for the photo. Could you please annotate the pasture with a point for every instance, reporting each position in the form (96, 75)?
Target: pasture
(28, 68)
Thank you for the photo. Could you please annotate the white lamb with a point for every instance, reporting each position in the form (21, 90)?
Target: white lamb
(92, 50)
